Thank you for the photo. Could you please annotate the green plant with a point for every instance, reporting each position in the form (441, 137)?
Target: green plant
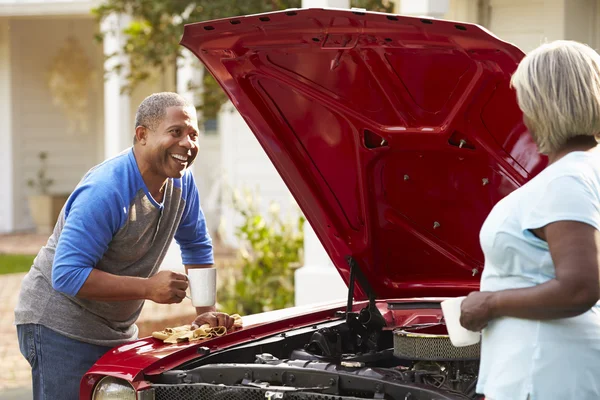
(41, 182)
(271, 249)
(15, 263)
(152, 37)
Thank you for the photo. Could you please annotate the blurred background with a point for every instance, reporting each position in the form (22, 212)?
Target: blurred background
(72, 73)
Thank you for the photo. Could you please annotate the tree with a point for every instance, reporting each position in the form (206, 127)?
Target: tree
(157, 26)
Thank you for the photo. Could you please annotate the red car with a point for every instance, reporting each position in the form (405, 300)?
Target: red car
(396, 136)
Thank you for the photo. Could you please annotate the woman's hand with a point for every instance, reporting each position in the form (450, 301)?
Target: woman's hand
(477, 310)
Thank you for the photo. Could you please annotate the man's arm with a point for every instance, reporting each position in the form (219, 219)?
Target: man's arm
(94, 213)
(165, 287)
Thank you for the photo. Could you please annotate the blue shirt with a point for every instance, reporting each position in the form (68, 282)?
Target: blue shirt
(111, 223)
(555, 359)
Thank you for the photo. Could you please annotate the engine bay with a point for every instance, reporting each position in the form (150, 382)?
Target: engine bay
(355, 356)
(333, 360)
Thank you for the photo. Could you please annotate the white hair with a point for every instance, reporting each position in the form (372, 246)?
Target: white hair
(558, 90)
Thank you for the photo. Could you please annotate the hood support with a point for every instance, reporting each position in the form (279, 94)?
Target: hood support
(355, 273)
(366, 325)
(369, 320)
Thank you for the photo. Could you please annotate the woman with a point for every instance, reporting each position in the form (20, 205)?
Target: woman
(538, 306)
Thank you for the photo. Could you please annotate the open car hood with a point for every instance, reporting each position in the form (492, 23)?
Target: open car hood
(396, 135)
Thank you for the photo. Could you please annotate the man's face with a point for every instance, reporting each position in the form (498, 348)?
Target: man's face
(173, 145)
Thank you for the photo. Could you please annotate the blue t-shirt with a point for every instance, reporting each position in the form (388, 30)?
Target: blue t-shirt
(112, 223)
(526, 359)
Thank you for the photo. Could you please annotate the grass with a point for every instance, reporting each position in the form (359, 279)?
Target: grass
(13, 263)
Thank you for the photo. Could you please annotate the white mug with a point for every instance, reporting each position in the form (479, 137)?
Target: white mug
(459, 336)
(203, 286)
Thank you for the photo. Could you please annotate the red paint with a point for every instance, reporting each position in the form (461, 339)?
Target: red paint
(396, 136)
(314, 84)
(150, 356)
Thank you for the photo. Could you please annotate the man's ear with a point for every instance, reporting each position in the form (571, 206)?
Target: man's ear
(141, 134)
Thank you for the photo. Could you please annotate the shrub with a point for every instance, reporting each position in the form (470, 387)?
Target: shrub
(271, 248)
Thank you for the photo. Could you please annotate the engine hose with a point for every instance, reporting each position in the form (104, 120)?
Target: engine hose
(470, 391)
(435, 380)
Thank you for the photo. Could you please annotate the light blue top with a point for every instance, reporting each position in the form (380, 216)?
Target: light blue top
(557, 359)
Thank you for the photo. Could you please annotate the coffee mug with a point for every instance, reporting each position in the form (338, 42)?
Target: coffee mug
(203, 286)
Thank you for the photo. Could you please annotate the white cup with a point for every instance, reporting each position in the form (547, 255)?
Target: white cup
(459, 336)
(203, 286)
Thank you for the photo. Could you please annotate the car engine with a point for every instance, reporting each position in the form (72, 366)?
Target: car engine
(417, 357)
(352, 359)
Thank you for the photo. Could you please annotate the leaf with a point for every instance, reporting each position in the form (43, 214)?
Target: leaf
(152, 37)
(272, 248)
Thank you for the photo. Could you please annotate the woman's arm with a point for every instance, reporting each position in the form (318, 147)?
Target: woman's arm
(574, 247)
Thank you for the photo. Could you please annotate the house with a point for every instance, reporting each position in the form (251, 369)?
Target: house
(38, 38)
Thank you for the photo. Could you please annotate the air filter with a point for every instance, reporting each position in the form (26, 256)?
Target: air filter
(424, 346)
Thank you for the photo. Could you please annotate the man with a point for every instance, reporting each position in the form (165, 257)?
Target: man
(88, 284)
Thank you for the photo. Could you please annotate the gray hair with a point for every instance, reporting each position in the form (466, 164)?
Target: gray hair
(153, 109)
(558, 90)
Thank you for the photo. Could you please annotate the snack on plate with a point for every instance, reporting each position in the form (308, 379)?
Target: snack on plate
(185, 333)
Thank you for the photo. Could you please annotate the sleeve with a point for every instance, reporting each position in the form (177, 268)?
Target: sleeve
(92, 217)
(565, 198)
(192, 235)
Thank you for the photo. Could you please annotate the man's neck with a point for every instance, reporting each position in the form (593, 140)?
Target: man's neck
(154, 183)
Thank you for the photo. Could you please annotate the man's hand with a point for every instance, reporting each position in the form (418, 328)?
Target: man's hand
(166, 287)
(213, 319)
(476, 311)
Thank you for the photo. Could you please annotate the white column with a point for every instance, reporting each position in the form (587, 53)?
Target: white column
(318, 280)
(325, 4)
(6, 134)
(118, 127)
(189, 76)
(424, 8)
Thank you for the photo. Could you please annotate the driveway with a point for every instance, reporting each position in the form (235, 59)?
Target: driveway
(16, 394)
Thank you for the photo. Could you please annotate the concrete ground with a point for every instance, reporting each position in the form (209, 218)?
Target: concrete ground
(23, 393)
(15, 379)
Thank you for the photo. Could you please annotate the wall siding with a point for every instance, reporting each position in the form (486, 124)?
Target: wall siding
(6, 142)
(581, 22)
(40, 126)
(246, 166)
(527, 24)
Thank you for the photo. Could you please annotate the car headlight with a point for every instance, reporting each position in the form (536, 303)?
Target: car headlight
(111, 388)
